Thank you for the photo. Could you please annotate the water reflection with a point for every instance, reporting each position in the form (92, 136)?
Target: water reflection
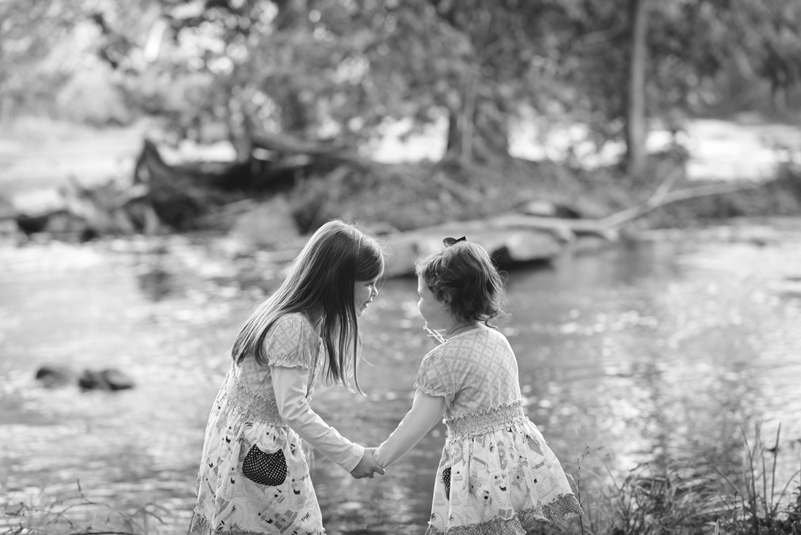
(156, 283)
(650, 352)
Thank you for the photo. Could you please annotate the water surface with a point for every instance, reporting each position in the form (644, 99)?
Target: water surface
(643, 352)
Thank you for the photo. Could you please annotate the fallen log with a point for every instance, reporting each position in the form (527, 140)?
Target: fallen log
(285, 144)
(607, 227)
(109, 209)
(184, 196)
(564, 228)
(507, 244)
(514, 238)
(619, 218)
(179, 197)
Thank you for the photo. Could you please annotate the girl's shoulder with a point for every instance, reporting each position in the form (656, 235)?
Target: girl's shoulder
(483, 340)
(479, 335)
(292, 341)
(437, 357)
(452, 348)
(294, 318)
(294, 325)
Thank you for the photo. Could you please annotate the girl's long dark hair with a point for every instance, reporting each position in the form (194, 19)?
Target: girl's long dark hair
(321, 279)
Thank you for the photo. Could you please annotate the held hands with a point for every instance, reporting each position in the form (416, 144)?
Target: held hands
(368, 466)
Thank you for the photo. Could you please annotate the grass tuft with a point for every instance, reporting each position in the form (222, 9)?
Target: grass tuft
(687, 498)
(73, 513)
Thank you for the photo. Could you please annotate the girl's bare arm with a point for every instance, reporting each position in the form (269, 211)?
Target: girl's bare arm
(425, 413)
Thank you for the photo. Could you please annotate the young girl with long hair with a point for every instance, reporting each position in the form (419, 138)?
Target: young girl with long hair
(254, 477)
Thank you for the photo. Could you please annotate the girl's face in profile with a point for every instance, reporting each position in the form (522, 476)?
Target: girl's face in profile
(434, 312)
(363, 293)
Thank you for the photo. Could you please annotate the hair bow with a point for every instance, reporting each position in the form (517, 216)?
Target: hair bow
(450, 241)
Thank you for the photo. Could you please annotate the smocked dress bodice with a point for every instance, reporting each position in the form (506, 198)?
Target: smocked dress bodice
(476, 373)
(292, 342)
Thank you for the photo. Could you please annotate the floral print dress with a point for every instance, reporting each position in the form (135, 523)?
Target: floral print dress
(254, 478)
(496, 474)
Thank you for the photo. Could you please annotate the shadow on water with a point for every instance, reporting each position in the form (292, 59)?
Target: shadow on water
(647, 352)
(156, 284)
(155, 274)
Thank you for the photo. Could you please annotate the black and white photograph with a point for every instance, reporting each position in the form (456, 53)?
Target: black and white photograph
(400, 267)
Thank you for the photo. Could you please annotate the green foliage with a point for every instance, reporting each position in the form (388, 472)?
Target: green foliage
(431, 194)
(663, 497)
(688, 498)
(93, 98)
(29, 31)
(655, 500)
(345, 68)
(780, 196)
(758, 506)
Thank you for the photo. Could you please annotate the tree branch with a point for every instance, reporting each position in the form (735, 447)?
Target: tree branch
(619, 218)
(286, 144)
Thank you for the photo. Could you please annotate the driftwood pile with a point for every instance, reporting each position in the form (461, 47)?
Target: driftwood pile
(162, 197)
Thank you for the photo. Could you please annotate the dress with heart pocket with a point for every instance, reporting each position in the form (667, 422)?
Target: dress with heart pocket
(254, 476)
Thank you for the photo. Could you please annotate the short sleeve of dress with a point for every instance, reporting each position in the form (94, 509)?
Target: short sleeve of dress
(435, 377)
(291, 342)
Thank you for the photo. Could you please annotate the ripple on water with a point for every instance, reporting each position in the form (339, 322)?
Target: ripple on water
(632, 353)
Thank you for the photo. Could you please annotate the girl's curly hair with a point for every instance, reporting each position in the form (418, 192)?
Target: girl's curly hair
(464, 277)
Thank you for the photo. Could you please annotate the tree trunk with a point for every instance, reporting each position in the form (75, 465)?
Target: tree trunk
(453, 144)
(491, 132)
(474, 131)
(479, 137)
(240, 128)
(6, 110)
(294, 115)
(636, 128)
(468, 126)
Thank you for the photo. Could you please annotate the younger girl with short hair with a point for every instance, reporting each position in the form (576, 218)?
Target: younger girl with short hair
(497, 474)
(253, 475)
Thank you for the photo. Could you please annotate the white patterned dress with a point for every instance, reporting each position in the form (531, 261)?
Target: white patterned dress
(497, 474)
(254, 478)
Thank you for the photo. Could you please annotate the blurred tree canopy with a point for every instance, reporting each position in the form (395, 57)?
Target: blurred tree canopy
(340, 71)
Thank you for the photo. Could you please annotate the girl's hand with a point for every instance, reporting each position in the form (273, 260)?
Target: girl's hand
(367, 467)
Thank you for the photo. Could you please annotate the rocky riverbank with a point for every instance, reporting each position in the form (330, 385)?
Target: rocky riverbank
(521, 211)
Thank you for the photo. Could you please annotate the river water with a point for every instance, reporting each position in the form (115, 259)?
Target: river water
(647, 351)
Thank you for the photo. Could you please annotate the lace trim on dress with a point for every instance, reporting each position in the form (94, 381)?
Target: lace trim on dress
(486, 420)
(253, 405)
(201, 526)
(563, 507)
(496, 526)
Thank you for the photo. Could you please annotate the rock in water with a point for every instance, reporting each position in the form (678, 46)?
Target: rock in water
(108, 379)
(52, 376)
(117, 380)
(92, 380)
